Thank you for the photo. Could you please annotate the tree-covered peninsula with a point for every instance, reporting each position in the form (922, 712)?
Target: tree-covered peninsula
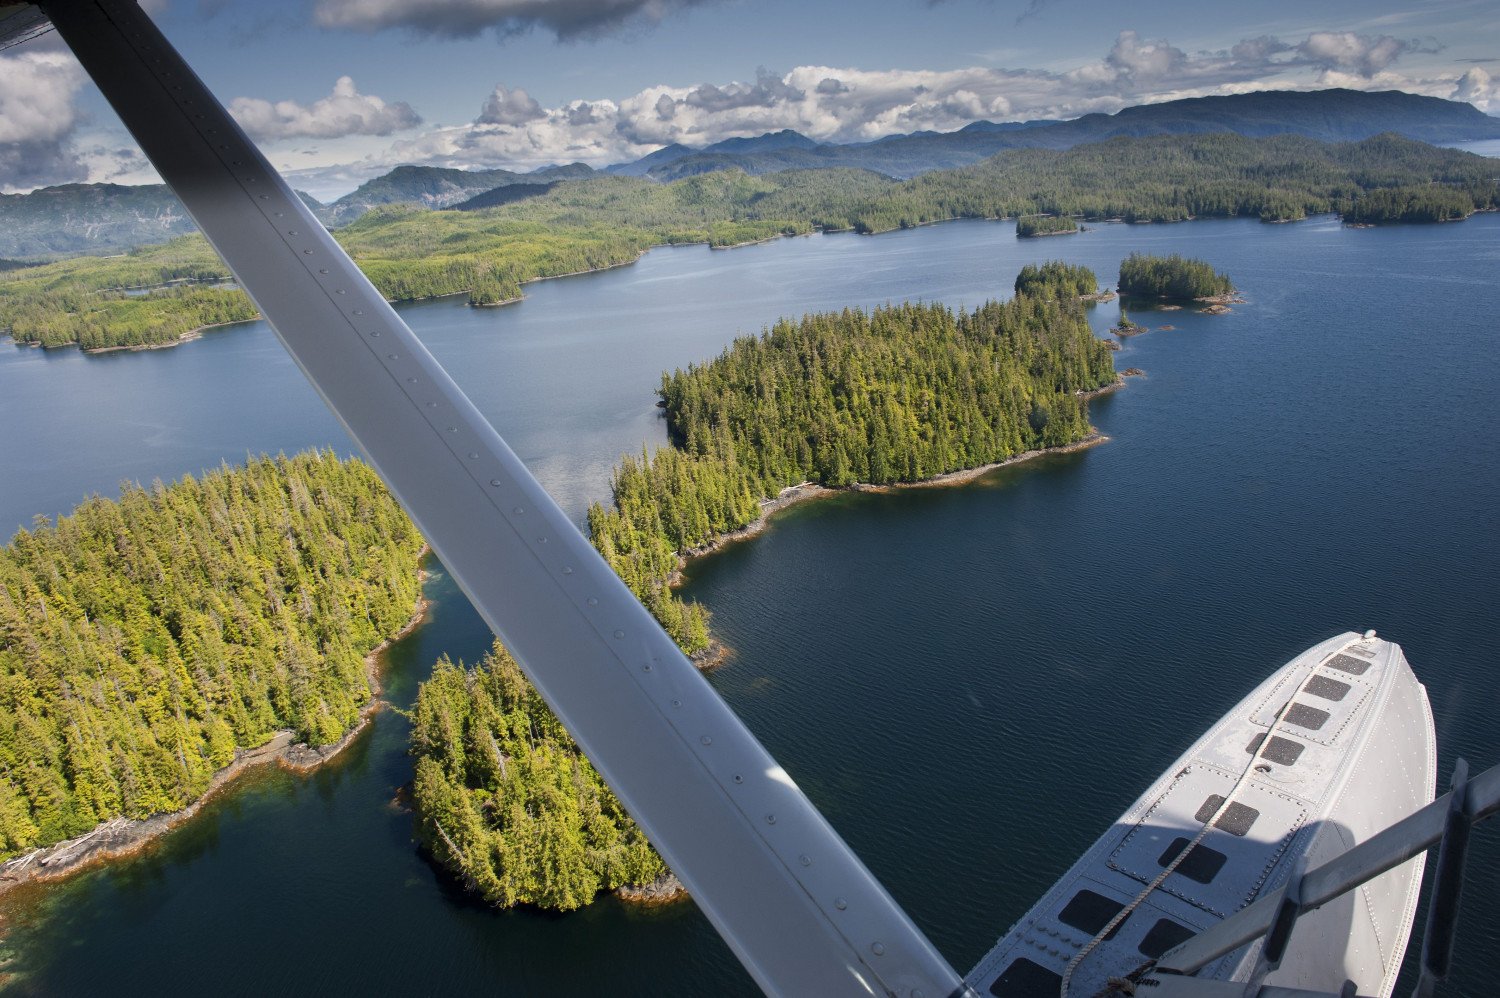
(505, 799)
(900, 394)
(1394, 205)
(144, 641)
(606, 220)
(1171, 277)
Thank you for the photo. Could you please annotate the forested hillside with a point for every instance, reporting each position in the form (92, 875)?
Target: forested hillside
(108, 218)
(144, 640)
(506, 800)
(1169, 178)
(604, 221)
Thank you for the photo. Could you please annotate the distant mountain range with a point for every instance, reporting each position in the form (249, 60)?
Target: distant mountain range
(108, 218)
(435, 187)
(1327, 115)
(98, 219)
(93, 219)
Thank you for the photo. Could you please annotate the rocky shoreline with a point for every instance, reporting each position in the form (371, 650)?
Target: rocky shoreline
(665, 889)
(121, 837)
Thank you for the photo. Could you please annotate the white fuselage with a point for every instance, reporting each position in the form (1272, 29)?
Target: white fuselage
(1351, 751)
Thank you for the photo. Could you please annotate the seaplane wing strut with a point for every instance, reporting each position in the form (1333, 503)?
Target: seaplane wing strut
(791, 899)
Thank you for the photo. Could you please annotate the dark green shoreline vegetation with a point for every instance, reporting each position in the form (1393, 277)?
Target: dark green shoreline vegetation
(607, 221)
(145, 641)
(1172, 278)
(1396, 205)
(1029, 226)
(505, 799)
(1057, 280)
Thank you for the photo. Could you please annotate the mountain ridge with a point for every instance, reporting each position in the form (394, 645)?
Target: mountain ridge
(1333, 115)
(97, 219)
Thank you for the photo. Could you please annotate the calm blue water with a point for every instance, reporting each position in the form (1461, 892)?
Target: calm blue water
(972, 682)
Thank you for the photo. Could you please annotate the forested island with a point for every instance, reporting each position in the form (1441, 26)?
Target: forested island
(1057, 280)
(145, 642)
(605, 221)
(1029, 226)
(1171, 278)
(505, 799)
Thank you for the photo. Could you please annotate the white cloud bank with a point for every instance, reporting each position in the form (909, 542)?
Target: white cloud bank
(41, 143)
(346, 111)
(38, 120)
(1477, 88)
(850, 105)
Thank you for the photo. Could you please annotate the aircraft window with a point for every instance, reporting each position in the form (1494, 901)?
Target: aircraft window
(1202, 864)
(1024, 979)
(1283, 751)
(1307, 717)
(1344, 663)
(1090, 912)
(1236, 819)
(1164, 935)
(1327, 689)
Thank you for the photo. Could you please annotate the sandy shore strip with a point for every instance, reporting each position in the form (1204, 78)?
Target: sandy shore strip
(120, 837)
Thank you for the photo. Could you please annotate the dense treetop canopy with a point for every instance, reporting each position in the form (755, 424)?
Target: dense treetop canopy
(1172, 276)
(143, 641)
(505, 798)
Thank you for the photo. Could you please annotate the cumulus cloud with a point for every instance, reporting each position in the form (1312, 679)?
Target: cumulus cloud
(509, 107)
(1253, 50)
(844, 104)
(567, 19)
(1146, 60)
(38, 120)
(1348, 52)
(39, 134)
(768, 90)
(1477, 88)
(346, 111)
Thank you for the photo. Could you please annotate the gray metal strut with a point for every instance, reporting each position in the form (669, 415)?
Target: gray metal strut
(793, 902)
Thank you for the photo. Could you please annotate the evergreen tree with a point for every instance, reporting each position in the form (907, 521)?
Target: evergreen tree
(144, 641)
(505, 799)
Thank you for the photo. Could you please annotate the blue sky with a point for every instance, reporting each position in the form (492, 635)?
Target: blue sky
(338, 91)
